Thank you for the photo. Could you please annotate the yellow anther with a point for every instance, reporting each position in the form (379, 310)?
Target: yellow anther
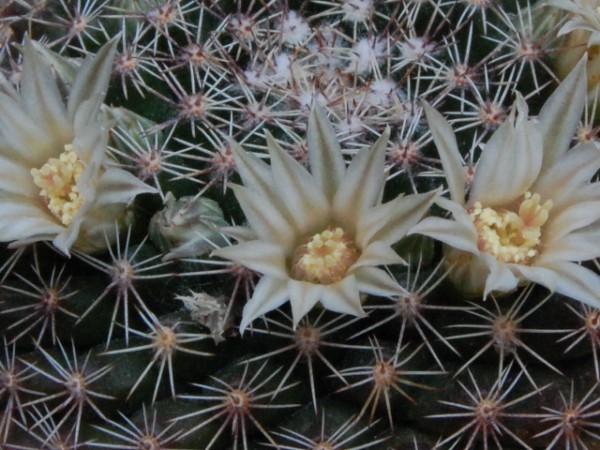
(57, 180)
(324, 258)
(512, 237)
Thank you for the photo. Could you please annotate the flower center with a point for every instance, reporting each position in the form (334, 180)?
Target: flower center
(325, 257)
(512, 237)
(57, 180)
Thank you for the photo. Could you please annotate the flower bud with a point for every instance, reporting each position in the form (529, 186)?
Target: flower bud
(187, 227)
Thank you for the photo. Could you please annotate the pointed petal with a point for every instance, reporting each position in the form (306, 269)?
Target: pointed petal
(391, 221)
(500, 279)
(581, 245)
(67, 237)
(577, 282)
(571, 170)
(22, 137)
(324, 153)
(92, 77)
(259, 256)
(377, 253)
(305, 202)
(362, 184)
(343, 297)
(255, 173)
(571, 218)
(64, 68)
(303, 297)
(449, 232)
(510, 162)
(41, 95)
(87, 115)
(264, 218)
(559, 117)
(445, 141)
(258, 177)
(15, 178)
(119, 186)
(374, 281)
(537, 274)
(90, 144)
(270, 293)
(23, 218)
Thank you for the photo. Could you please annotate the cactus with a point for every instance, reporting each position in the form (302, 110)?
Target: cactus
(165, 281)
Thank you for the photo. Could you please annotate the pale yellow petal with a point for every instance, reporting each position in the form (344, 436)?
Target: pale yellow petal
(270, 293)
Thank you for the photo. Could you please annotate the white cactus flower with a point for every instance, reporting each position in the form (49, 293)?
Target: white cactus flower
(56, 178)
(318, 237)
(532, 211)
(585, 15)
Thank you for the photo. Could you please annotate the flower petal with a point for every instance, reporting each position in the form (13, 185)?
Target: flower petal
(445, 142)
(559, 117)
(92, 77)
(21, 136)
(303, 297)
(259, 256)
(449, 232)
(572, 170)
(362, 185)
(64, 240)
(258, 176)
(86, 118)
(581, 245)
(15, 178)
(577, 282)
(255, 173)
(90, 143)
(264, 218)
(500, 279)
(305, 202)
(42, 97)
(23, 218)
(537, 274)
(510, 162)
(270, 293)
(377, 253)
(343, 297)
(324, 153)
(391, 221)
(119, 186)
(571, 218)
(374, 281)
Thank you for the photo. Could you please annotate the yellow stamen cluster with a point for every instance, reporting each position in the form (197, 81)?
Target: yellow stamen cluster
(512, 237)
(57, 180)
(325, 257)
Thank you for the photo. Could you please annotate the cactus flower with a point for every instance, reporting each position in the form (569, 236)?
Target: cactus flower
(56, 178)
(532, 210)
(585, 15)
(581, 33)
(318, 237)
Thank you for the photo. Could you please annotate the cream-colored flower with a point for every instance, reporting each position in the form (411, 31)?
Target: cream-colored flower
(581, 33)
(319, 236)
(532, 212)
(585, 16)
(56, 178)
